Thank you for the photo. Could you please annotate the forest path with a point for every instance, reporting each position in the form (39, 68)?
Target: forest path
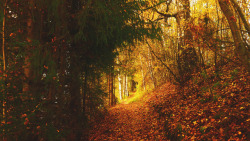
(127, 122)
(134, 121)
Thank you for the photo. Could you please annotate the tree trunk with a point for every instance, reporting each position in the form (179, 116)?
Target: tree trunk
(4, 67)
(120, 85)
(74, 70)
(108, 85)
(119, 80)
(242, 16)
(151, 67)
(126, 86)
(241, 49)
(187, 32)
(85, 89)
(74, 84)
(112, 87)
(142, 73)
(26, 66)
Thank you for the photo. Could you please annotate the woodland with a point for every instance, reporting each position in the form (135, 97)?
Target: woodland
(79, 70)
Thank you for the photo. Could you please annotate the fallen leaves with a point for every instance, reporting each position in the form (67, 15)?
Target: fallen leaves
(214, 110)
(128, 122)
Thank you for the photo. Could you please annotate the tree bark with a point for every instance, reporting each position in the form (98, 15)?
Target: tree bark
(126, 85)
(187, 32)
(242, 16)
(151, 67)
(142, 73)
(26, 66)
(74, 70)
(112, 87)
(241, 50)
(119, 80)
(4, 67)
(85, 89)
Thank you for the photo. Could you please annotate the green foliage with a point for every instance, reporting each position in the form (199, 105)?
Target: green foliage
(91, 34)
(218, 115)
(204, 100)
(225, 84)
(217, 84)
(53, 134)
(204, 74)
(1, 18)
(216, 97)
(202, 129)
(234, 73)
(204, 89)
(176, 134)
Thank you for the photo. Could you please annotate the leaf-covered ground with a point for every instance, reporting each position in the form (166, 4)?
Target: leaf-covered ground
(127, 122)
(209, 108)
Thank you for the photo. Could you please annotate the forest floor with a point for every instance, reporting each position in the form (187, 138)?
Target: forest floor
(206, 109)
(133, 121)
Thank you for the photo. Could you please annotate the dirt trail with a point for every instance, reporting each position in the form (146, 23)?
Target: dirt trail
(128, 122)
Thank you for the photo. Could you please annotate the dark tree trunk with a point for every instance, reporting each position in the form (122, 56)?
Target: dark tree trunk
(75, 71)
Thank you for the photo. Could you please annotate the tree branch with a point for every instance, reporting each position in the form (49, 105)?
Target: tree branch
(175, 77)
(166, 15)
(242, 16)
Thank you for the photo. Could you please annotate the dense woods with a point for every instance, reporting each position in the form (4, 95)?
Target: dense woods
(107, 69)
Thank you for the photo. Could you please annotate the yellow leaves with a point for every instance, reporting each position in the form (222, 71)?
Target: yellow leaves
(241, 108)
(194, 122)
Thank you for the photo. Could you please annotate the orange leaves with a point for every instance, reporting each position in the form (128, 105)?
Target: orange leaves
(26, 121)
(46, 67)
(128, 122)
(180, 113)
(24, 115)
(20, 31)
(232, 18)
(12, 34)
(53, 39)
(9, 122)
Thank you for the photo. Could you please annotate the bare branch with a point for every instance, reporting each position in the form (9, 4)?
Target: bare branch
(166, 15)
(175, 77)
(242, 16)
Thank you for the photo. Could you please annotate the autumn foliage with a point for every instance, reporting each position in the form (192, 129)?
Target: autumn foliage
(124, 70)
(209, 107)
